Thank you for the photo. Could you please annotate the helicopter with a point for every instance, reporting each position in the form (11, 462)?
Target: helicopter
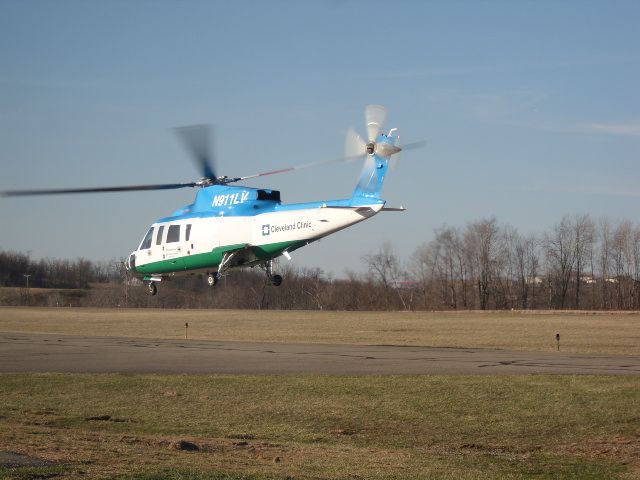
(230, 226)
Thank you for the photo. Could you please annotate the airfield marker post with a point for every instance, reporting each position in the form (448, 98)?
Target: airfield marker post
(186, 329)
(27, 275)
(558, 340)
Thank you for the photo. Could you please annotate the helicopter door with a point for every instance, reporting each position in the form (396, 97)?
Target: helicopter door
(174, 248)
(189, 240)
(155, 252)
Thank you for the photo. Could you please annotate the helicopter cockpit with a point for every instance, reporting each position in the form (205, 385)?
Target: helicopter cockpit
(130, 264)
(146, 241)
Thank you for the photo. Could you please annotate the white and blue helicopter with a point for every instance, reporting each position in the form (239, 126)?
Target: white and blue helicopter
(231, 226)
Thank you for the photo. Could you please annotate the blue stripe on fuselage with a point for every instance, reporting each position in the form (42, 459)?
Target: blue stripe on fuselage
(273, 207)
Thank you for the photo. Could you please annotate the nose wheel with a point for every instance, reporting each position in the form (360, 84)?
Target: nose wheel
(151, 288)
(213, 278)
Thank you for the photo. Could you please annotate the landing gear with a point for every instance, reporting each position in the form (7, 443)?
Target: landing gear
(275, 280)
(151, 288)
(213, 278)
(225, 264)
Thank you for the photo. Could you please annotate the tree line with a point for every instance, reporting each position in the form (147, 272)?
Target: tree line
(579, 263)
(17, 268)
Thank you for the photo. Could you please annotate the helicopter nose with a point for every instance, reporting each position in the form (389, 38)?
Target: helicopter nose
(130, 264)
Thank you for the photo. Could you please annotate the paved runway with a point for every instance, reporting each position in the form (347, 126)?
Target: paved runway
(20, 352)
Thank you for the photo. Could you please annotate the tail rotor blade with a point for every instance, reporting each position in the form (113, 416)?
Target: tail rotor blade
(374, 116)
(354, 144)
(197, 140)
(367, 174)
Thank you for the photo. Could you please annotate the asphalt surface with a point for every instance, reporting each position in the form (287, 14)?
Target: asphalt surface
(21, 352)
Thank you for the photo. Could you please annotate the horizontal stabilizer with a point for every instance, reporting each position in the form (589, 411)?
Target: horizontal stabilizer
(364, 211)
(384, 209)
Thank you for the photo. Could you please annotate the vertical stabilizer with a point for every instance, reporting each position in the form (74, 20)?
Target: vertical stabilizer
(376, 167)
(372, 177)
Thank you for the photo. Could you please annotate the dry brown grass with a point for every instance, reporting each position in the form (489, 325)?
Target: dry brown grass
(584, 332)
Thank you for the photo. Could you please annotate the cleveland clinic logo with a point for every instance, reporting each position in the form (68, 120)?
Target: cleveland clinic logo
(266, 229)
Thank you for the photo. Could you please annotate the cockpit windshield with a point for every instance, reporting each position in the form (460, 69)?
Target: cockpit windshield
(146, 242)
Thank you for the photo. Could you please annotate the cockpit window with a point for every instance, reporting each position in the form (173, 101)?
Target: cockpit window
(173, 235)
(146, 242)
(159, 238)
(188, 235)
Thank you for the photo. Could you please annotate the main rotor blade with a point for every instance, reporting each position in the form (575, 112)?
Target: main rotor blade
(374, 116)
(301, 167)
(62, 191)
(197, 140)
(355, 149)
(393, 163)
(414, 145)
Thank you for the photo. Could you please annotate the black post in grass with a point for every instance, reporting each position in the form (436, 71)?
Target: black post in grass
(558, 340)
(186, 329)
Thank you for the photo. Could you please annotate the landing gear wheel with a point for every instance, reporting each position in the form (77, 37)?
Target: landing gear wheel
(275, 280)
(152, 289)
(213, 278)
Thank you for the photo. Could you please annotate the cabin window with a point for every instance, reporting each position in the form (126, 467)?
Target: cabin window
(146, 242)
(173, 234)
(159, 237)
(188, 234)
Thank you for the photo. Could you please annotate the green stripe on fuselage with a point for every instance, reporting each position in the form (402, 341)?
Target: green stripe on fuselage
(273, 250)
(211, 260)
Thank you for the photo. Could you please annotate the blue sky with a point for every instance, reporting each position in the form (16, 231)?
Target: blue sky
(530, 111)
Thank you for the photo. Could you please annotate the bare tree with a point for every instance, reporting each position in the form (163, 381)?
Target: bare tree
(622, 253)
(481, 243)
(385, 269)
(526, 266)
(636, 267)
(605, 262)
(584, 231)
(560, 254)
(421, 271)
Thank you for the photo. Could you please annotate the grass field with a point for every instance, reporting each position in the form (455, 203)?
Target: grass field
(580, 332)
(127, 427)
(312, 427)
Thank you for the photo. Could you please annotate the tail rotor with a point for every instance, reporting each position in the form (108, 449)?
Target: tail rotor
(374, 116)
(377, 142)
